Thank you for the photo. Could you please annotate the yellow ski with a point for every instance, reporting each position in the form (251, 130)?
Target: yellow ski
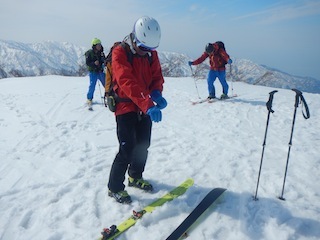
(114, 231)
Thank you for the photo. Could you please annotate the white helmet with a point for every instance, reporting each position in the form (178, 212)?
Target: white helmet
(147, 32)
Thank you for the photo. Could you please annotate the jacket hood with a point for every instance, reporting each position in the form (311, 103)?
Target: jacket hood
(129, 40)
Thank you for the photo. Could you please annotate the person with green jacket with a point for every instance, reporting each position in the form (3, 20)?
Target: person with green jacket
(95, 61)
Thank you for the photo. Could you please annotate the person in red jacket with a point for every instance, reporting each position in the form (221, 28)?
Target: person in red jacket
(218, 59)
(140, 83)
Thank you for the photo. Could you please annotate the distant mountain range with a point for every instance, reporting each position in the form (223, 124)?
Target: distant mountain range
(61, 58)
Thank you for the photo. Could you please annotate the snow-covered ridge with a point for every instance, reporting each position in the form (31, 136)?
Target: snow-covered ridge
(21, 59)
(61, 58)
(247, 71)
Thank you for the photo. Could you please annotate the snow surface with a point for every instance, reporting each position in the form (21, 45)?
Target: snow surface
(55, 158)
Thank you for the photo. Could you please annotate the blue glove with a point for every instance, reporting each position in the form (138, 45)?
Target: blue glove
(155, 114)
(158, 99)
(190, 63)
(229, 61)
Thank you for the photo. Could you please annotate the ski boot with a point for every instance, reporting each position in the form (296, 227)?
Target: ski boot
(89, 104)
(210, 97)
(120, 197)
(140, 183)
(224, 96)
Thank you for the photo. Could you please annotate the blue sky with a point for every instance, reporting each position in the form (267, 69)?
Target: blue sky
(283, 34)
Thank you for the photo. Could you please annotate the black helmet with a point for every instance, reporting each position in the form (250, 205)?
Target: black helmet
(209, 48)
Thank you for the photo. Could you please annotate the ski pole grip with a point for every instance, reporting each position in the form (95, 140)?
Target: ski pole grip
(298, 96)
(298, 92)
(269, 103)
(304, 103)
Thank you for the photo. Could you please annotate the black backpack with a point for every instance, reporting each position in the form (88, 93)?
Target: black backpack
(221, 45)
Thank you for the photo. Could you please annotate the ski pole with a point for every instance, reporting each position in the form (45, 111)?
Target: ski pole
(194, 79)
(231, 79)
(269, 107)
(100, 93)
(298, 97)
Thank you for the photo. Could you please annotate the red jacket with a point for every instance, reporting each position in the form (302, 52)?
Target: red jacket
(135, 80)
(218, 59)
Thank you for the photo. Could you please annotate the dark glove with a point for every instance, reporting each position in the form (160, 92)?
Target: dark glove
(155, 114)
(190, 63)
(229, 61)
(158, 99)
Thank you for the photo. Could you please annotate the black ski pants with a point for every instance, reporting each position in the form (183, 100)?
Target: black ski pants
(134, 135)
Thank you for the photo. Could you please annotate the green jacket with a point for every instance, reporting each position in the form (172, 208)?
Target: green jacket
(91, 57)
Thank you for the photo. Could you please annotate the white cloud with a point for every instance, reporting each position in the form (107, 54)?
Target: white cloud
(285, 12)
(193, 8)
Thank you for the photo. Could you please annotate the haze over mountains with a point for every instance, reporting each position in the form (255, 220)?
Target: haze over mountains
(62, 58)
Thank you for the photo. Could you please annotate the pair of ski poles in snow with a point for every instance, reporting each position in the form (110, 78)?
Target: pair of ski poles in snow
(298, 99)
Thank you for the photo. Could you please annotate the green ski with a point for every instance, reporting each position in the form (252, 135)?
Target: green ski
(114, 231)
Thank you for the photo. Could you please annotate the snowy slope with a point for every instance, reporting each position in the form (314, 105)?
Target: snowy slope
(55, 158)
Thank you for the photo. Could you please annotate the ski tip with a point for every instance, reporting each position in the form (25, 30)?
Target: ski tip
(190, 180)
(218, 190)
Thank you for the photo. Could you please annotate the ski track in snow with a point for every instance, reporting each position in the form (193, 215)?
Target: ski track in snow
(56, 156)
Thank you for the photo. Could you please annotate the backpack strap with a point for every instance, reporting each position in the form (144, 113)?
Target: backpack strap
(130, 57)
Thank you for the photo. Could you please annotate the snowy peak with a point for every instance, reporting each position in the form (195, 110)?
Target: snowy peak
(20, 59)
(247, 71)
(175, 65)
(62, 58)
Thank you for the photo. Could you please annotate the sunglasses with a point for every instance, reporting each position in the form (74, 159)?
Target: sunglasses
(143, 47)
